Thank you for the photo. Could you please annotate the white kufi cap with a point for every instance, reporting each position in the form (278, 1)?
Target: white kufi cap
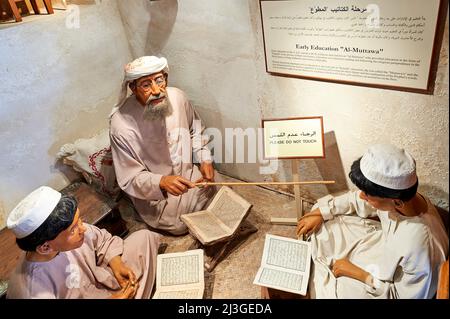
(32, 211)
(389, 166)
(140, 67)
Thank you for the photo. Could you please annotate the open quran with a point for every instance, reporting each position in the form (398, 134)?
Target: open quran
(285, 264)
(220, 220)
(180, 275)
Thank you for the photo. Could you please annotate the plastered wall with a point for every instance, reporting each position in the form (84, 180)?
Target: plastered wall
(57, 84)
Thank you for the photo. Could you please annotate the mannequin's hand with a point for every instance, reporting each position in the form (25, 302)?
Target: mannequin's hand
(310, 223)
(207, 170)
(128, 292)
(345, 268)
(175, 185)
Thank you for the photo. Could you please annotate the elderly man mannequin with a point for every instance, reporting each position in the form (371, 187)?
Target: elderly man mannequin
(154, 135)
(68, 259)
(356, 256)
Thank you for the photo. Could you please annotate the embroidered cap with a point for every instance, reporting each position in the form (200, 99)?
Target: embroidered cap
(143, 66)
(389, 166)
(32, 211)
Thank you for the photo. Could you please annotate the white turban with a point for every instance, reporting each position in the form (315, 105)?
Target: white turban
(32, 211)
(140, 67)
(389, 166)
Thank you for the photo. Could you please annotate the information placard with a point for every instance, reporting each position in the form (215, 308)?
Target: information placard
(381, 43)
(301, 137)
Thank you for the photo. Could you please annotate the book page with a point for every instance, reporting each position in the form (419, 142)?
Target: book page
(285, 264)
(229, 207)
(180, 272)
(179, 294)
(205, 226)
(220, 220)
(282, 280)
(291, 255)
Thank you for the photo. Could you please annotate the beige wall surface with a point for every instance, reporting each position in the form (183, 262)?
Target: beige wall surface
(58, 83)
(215, 50)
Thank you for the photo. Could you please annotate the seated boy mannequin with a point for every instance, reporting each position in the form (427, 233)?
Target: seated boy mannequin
(66, 258)
(355, 256)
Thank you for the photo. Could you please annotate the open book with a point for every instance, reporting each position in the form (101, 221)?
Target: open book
(285, 264)
(220, 220)
(180, 275)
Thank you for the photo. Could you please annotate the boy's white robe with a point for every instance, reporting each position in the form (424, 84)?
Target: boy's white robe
(403, 254)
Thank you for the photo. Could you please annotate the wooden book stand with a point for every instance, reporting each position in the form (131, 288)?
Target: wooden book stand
(216, 252)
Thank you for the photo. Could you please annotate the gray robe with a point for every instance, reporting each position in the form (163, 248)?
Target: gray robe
(403, 254)
(145, 150)
(83, 273)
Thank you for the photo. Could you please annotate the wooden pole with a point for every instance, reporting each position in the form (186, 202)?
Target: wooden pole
(298, 199)
(15, 10)
(262, 183)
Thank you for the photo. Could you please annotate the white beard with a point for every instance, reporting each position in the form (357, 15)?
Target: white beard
(158, 111)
